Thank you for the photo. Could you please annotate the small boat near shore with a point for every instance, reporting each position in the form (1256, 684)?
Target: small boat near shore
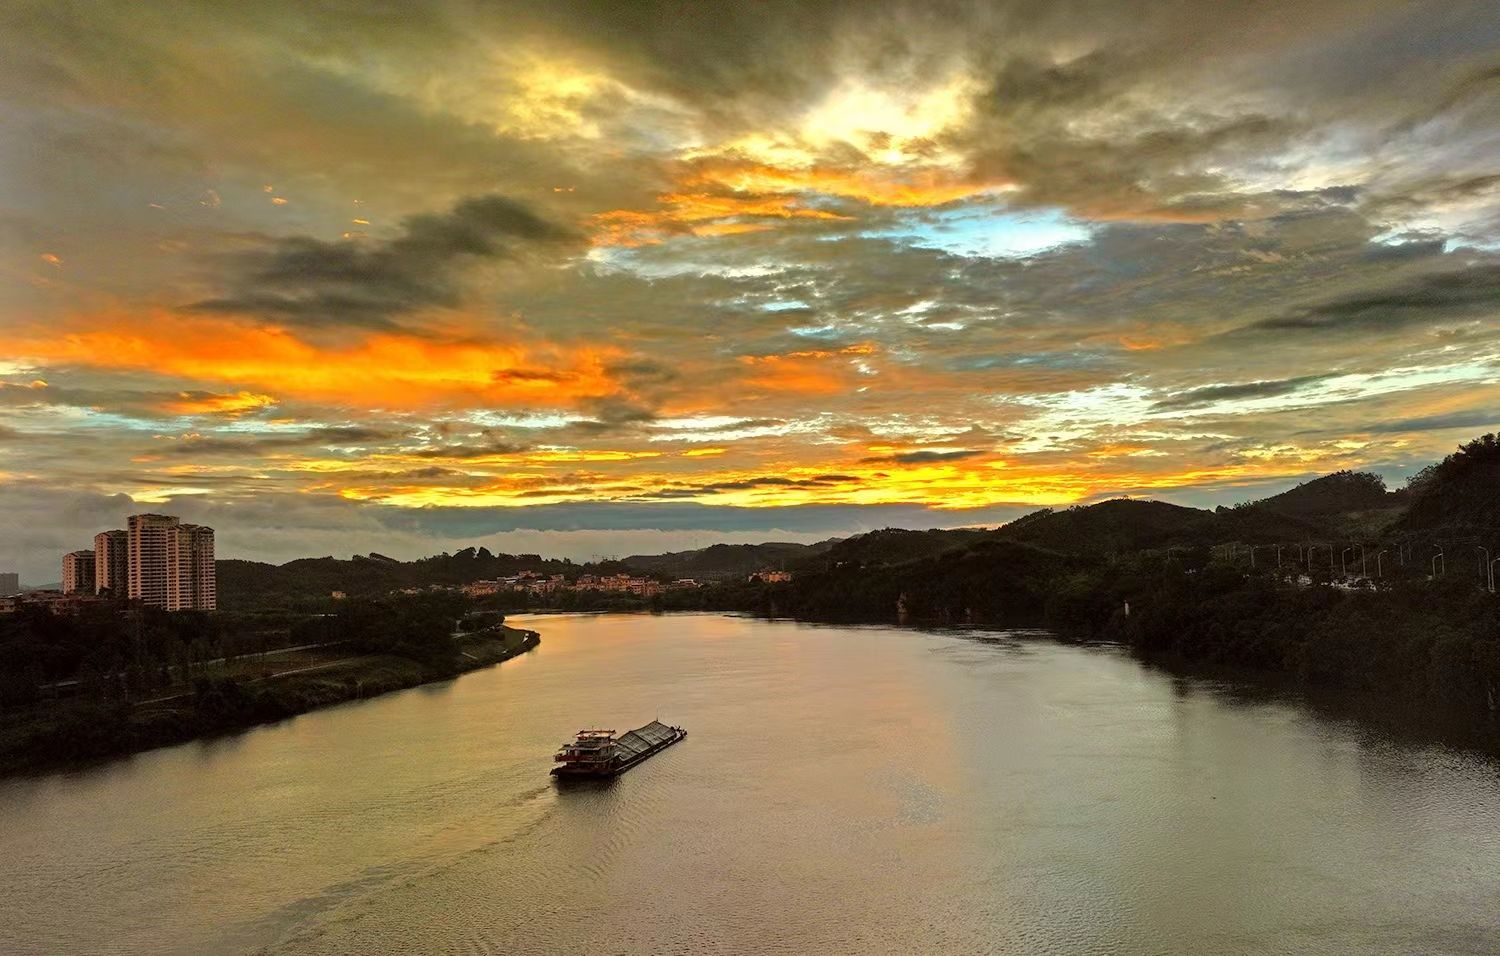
(599, 753)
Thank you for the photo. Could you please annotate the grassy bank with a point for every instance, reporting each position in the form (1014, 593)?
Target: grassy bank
(72, 732)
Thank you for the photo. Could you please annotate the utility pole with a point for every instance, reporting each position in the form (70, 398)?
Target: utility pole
(1364, 572)
(1492, 574)
(1484, 564)
(1278, 557)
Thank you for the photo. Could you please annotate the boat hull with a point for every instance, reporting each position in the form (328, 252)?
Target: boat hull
(638, 746)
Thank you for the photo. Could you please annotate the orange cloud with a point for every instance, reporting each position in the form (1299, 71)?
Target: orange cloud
(876, 185)
(948, 485)
(698, 214)
(805, 373)
(718, 194)
(209, 403)
(380, 370)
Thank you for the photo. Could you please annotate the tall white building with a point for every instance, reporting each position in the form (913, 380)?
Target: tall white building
(170, 564)
(192, 584)
(111, 550)
(78, 572)
(148, 550)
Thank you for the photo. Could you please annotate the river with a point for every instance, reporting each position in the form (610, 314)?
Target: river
(842, 790)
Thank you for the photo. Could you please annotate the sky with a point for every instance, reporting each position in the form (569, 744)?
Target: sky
(610, 278)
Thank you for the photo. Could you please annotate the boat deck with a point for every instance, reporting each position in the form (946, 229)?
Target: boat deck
(637, 742)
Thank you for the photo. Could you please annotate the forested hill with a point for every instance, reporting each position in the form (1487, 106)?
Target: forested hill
(253, 583)
(1335, 494)
(1110, 527)
(1461, 492)
(726, 560)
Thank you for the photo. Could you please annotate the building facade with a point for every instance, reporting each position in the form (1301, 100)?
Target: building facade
(111, 558)
(10, 583)
(78, 572)
(192, 584)
(170, 564)
(148, 550)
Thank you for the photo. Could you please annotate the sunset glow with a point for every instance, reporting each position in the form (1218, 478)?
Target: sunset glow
(488, 270)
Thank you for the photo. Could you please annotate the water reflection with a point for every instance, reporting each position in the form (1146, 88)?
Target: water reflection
(844, 790)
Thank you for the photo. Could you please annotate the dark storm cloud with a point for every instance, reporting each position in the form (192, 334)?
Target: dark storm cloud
(1426, 299)
(1209, 394)
(1462, 92)
(763, 481)
(311, 281)
(334, 436)
(641, 372)
(1027, 134)
(1424, 423)
(922, 457)
(492, 446)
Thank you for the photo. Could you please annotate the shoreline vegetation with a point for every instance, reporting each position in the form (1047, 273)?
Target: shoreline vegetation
(376, 648)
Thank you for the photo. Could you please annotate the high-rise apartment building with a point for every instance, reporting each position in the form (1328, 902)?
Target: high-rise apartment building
(10, 583)
(111, 558)
(149, 550)
(192, 583)
(78, 572)
(171, 565)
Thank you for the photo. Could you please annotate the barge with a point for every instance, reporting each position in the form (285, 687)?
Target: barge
(599, 753)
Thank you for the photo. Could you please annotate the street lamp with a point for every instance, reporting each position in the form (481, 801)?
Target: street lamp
(1379, 564)
(1439, 556)
(1484, 564)
(1344, 565)
(1492, 574)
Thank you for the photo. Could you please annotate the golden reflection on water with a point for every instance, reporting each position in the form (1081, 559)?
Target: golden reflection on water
(843, 790)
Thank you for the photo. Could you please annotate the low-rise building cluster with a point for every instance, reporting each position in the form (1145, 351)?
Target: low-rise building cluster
(538, 584)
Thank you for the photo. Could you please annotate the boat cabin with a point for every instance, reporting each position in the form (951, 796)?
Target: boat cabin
(590, 750)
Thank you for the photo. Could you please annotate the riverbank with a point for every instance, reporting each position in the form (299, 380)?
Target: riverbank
(62, 734)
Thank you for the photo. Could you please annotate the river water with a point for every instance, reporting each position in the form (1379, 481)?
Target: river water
(842, 790)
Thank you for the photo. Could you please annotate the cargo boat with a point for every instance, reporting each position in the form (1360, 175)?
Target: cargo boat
(599, 753)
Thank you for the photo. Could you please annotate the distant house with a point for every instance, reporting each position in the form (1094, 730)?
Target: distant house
(771, 577)
(55, 601)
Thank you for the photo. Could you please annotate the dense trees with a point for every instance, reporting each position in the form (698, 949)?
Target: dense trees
(1460, 492)
(109, 651)
(114, 680)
